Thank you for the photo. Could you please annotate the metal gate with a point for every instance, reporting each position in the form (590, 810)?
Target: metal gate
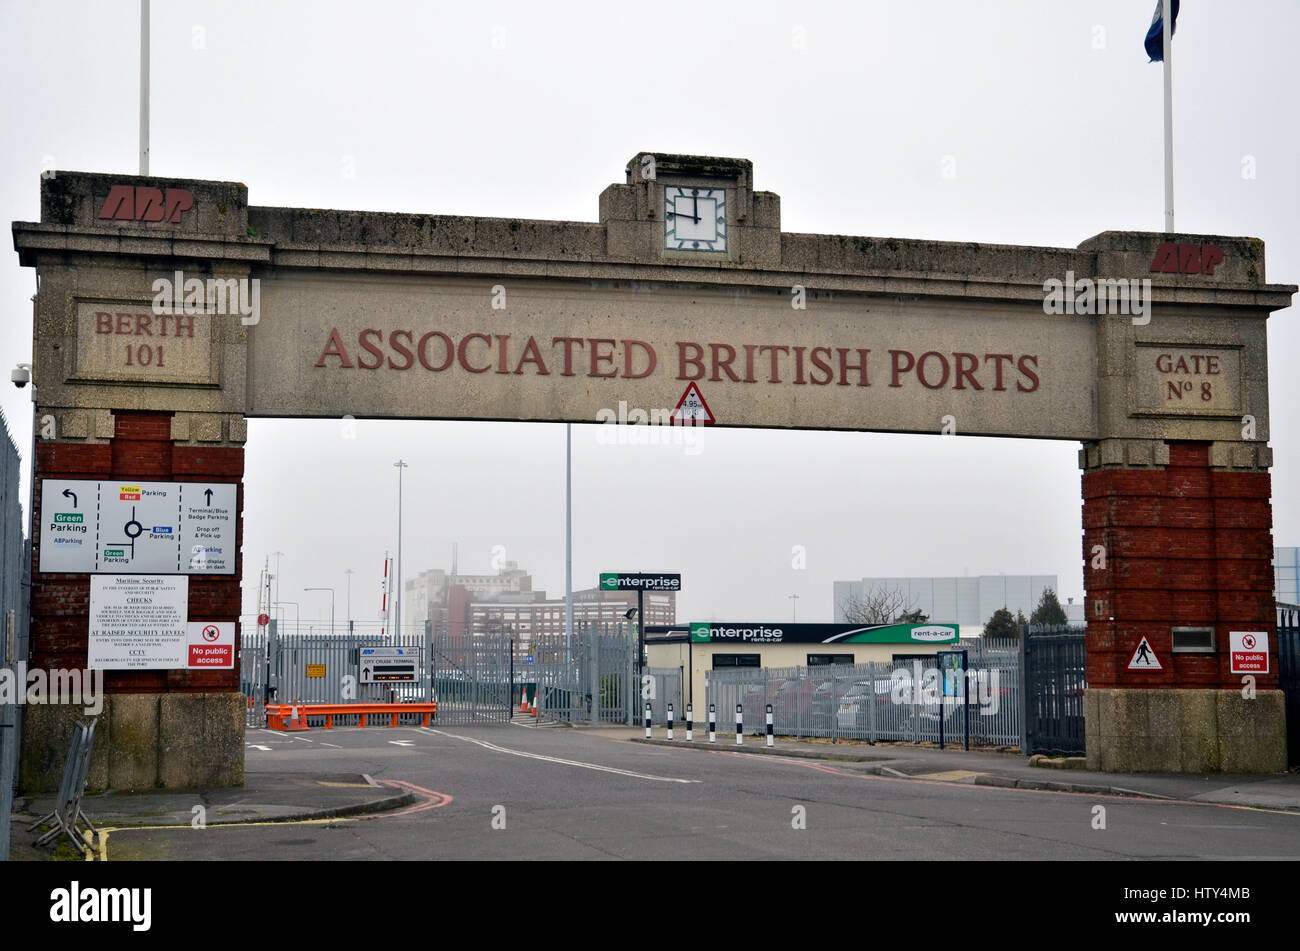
(666, 688)
(1054, 669)
(587, 679)
(323, 670)
(1288, 672)
(470, 679)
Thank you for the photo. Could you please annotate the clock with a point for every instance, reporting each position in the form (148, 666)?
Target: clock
(695, 219)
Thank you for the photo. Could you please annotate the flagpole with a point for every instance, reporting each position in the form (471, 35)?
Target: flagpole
(144, 87)
(1167, 17)
(568, 545)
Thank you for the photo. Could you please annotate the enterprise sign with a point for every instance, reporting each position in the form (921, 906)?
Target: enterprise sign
(614, 581)
(719, 632)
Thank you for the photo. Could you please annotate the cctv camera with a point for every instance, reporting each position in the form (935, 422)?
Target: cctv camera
(21, 376)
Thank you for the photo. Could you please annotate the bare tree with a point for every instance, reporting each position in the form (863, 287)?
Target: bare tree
(881, 606)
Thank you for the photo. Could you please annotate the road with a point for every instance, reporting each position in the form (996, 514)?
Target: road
(516, 793)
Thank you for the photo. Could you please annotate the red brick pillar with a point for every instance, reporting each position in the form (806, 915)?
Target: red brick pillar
(129, 746)
(1180, 546)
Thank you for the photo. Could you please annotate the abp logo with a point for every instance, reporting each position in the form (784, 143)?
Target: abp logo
(1180, 258)
(146, 203)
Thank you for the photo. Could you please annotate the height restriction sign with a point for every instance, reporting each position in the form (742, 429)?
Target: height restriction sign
(691, 408)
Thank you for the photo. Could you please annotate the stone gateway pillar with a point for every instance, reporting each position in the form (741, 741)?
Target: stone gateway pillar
(132, 394)
(1178, 554)
(172, 728)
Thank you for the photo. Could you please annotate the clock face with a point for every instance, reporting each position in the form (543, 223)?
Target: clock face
(695, 219)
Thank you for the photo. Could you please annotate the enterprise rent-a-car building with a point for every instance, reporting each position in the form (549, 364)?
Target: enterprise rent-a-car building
(726, 645)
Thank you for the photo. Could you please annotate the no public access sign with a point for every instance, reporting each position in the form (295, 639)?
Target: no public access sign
(1249, 650)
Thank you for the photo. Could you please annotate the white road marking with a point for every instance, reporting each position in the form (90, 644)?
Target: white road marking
(255, 746)
(562, 762)
(333, 746)
(289, 736)
(402, 742)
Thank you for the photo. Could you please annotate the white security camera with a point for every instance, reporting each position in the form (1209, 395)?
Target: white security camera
(21, 375)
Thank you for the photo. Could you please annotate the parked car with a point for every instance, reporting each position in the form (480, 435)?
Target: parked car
(755, 699)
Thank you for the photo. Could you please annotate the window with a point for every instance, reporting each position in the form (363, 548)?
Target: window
(823, 660)
(735, 660)
(1193, 640)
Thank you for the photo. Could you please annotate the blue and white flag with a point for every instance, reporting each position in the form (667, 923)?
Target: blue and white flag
(1155, 41)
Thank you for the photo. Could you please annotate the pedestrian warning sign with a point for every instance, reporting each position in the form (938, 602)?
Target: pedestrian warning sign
(1144, 658)
(691, 408)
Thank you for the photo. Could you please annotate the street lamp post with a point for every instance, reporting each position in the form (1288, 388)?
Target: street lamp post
(297, 613)
(277, 555)
(399, 465)
(348, 572)
(331, 591)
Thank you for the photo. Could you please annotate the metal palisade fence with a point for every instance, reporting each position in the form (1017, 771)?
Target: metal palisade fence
(15, 579)
(289, 669)
(476, 680)
(471, 680)
(1054, 672)
(906, 701)
(1288, 670)
(587, 679)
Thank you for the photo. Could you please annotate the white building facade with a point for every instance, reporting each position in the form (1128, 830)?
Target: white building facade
(968, 601)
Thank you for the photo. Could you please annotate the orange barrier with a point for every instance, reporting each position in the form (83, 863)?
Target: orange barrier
(279, 715)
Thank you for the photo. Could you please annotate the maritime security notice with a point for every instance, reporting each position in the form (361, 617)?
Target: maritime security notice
(138, 622)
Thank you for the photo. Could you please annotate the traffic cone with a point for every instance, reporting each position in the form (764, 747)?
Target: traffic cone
(536, 695)
(297, 720)
(523, 700)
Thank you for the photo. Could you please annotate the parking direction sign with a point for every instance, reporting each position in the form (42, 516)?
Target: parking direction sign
(127, 526)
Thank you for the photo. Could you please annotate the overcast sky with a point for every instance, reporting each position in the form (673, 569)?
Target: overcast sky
(1048, 112)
